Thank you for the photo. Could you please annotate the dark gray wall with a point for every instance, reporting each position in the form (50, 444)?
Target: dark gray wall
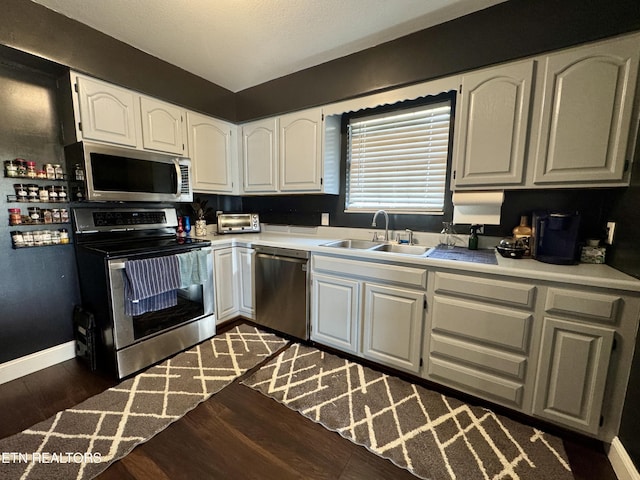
(39, 285)
(506, 31)
(32, 28)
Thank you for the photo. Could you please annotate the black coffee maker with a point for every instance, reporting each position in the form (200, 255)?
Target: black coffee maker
(554, 237)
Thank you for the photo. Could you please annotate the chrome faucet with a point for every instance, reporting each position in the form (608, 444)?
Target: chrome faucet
(386, 224)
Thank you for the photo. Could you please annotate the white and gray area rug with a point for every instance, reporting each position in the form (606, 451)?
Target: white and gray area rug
(433, 436)
(83, 441)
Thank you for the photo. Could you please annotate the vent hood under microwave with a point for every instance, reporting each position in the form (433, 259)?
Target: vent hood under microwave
(102, 173)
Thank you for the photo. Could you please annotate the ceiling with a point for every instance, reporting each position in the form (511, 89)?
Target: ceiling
(238, 44)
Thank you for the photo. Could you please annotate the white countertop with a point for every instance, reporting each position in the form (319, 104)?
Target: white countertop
(311, 239)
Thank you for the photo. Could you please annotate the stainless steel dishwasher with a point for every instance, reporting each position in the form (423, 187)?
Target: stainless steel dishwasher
(282, 294)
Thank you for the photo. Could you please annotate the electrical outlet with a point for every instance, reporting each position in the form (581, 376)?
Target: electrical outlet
(324, 219)
(480, 229)
(611, 228)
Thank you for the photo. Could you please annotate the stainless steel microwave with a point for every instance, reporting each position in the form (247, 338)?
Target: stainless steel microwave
(103, 173)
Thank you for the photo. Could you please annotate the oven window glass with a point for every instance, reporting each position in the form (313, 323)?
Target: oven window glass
(190, 306)
(119, 174)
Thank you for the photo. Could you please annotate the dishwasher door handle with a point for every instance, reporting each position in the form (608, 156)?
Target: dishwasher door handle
(280, 258)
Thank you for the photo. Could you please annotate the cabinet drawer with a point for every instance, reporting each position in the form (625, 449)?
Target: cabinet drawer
(497, 291)
(482, 357)
(585, 304)
(380, 272)
(472, 380)
(482, 323)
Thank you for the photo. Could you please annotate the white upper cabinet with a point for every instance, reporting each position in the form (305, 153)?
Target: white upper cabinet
(492, 125)
(260, 156)
(163, 127)
(211, 149)
(107, 113)
(285, 155)
(300, 153)
(585, 113)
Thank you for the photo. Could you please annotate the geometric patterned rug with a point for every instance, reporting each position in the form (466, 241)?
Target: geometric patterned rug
(433, 436)
(83, 441)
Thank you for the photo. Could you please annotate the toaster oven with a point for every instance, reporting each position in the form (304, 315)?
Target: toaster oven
(238, 223)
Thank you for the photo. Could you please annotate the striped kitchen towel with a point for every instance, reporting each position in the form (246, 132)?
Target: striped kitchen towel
(150, 284)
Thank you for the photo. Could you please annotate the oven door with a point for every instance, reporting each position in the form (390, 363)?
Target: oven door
(194, 302)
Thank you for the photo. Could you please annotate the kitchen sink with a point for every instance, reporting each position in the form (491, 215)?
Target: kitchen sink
(402, 248)
(379, 247)
(359, 244)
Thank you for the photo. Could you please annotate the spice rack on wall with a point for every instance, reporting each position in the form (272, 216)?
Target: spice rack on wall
(45, 193)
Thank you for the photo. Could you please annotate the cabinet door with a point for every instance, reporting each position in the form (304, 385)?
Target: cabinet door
(493, 124)
(225, 284)
(259, 156)
(210, 149)
(335, 312)
(107, 113)
(162, 126)
(300, 151)
(585, 119)
(246, 281)
(393, 320)
(572, 372)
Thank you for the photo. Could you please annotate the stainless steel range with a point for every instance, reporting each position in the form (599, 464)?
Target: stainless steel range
(151, 293)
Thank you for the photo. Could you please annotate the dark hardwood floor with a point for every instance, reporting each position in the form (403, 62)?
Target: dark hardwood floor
(238, 433)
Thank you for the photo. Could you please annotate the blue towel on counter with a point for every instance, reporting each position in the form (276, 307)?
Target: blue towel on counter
(151, 284)
(193, 268)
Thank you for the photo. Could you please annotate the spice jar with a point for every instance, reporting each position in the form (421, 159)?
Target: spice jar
(21, 192)
(47, 215)
(46, 237)
(58, 171)
(34, 214)
(64, 235)
(31, 169)
(61, 190)
(55, 215)
(15, 217)
(37, 238)
(43, 194)
(32, 193)
(28, 239)
(55, 237)
(21, 164)
(10, 168)
(53, 194)
(17, 239)
(51, 171)
(64, 215)
(79, 173)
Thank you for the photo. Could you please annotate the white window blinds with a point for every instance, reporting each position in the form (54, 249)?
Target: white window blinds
(397, 160)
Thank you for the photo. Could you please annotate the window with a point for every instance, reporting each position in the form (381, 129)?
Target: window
(397, 160)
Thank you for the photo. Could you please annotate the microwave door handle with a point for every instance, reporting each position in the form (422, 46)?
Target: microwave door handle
(178, 180)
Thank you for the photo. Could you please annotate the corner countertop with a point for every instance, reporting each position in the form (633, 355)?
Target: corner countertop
(312, 240)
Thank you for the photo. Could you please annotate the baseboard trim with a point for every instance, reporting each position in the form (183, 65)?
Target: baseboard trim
(621, 462)
(36, 361)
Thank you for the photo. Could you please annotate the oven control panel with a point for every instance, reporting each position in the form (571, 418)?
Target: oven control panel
(117, 218)
(238, 223)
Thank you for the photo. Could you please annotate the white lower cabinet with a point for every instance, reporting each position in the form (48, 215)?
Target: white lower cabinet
(335, 312)
(234, 281)
(393, 326)
(373, 310)
(246, 281)
(572, 373)
(225, 284)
